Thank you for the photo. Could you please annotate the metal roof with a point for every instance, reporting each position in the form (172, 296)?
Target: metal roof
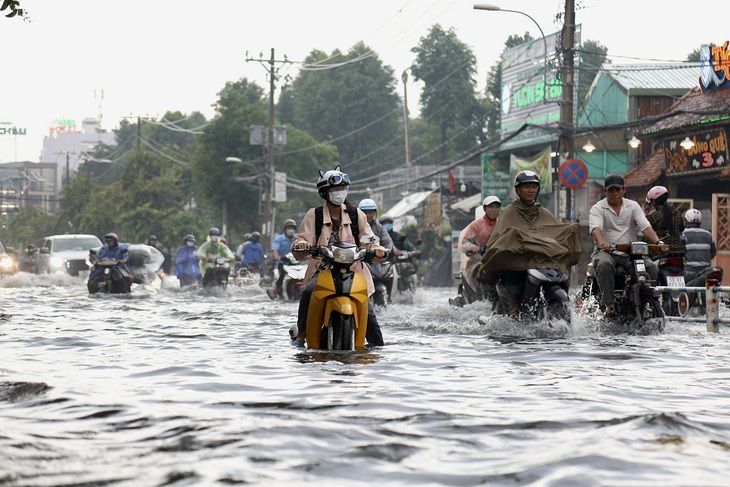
(650, 79)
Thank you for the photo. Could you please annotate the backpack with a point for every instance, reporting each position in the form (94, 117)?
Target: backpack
(319, 221)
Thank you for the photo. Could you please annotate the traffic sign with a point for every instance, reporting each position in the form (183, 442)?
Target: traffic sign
(573, 173)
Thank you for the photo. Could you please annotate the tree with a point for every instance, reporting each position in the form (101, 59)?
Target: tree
(449, 100)
(350, 100)
(240, 186)
(592, 57)
(694, 56)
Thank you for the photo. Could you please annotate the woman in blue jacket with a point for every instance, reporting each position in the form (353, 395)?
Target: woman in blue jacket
(186, 263)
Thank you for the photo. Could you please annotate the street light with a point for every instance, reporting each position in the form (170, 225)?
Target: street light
(494, 8)
(247, 179)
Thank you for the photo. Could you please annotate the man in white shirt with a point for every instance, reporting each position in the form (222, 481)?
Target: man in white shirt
(615, 220)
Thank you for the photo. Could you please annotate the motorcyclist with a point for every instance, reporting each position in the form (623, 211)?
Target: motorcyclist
(665, 219)
(187, 269)
(400, 242)
(253, 254)
(336, 225)
(279, 249)
(370, 209)
(527, 236)
(120, 272)
(701, 248)
(209, 252)
(472, 242)
(167, 264)
(615, 220)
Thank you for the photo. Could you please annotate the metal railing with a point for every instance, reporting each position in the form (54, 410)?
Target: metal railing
(711, 291)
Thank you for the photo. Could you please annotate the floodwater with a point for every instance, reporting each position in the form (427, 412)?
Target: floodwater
(184, 387)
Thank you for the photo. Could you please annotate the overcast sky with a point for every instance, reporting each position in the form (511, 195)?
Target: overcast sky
(150, 56)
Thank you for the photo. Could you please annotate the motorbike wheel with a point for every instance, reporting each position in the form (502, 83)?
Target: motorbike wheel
(340, 334)
(650, 313)
(559, 310)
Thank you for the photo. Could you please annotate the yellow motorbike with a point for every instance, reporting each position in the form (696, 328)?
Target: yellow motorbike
(338, 309)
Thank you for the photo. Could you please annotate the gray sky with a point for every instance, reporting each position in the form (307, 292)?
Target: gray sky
(150, 56)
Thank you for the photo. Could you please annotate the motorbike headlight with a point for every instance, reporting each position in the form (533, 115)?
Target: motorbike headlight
(639, 248)
(57, 262)
(6, 262)
(344, 256)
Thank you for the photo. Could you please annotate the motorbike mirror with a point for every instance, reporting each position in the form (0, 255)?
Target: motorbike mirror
(372, 239)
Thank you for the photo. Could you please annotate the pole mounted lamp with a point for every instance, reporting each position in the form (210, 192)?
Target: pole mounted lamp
(634, 142)
(589, 147)
(495, 8)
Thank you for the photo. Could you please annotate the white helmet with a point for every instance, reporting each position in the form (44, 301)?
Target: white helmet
(367, 204)
(491, 199)
(693, 216)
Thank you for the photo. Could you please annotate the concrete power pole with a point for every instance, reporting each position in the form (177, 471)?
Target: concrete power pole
(269, 217)
(567, 143)
(269, 208)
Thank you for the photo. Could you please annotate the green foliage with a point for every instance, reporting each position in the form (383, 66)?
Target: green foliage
(350, 99)
(592, 57)
(240, 105)
(449, 100)
(28, 226)
(694, 56)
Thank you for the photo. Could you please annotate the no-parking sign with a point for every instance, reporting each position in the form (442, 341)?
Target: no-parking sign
(573, 173)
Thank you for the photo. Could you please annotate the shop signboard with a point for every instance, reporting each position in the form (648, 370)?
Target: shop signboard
(715, 69)
(531, 91)
(708, 154)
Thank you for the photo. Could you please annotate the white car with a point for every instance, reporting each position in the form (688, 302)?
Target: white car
(66, 253)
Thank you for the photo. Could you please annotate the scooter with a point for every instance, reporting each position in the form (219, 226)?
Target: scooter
(247, 275)
(545, 296)
(338, 310)
(220, 271)
(113, 278)
(293, 283)
(405, 274)
(383, 275)
(637, 301)
(671, 273)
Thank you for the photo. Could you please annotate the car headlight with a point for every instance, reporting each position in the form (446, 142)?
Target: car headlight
(6, 262)
(57, 262)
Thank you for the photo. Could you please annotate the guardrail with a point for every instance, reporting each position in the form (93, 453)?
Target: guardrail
(711, 291)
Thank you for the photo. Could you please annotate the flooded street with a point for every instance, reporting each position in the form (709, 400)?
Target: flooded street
(187, 387)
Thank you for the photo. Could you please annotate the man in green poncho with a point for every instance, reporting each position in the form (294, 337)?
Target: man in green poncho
(528, 236)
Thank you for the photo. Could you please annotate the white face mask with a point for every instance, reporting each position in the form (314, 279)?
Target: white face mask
(338, 197)
(189, 243)
(290, 232)
(214, 238)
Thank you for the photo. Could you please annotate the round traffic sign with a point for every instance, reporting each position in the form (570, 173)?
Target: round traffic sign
(573, 173)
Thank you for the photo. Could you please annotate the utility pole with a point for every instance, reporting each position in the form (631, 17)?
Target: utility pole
(405, 118)
(269, 202)
(567, 143)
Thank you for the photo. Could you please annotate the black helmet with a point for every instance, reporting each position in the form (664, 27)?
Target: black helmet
(189, 238)
(527, 177)
(110, 236)
(214, 231)
(331, 179)
(255, 236)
